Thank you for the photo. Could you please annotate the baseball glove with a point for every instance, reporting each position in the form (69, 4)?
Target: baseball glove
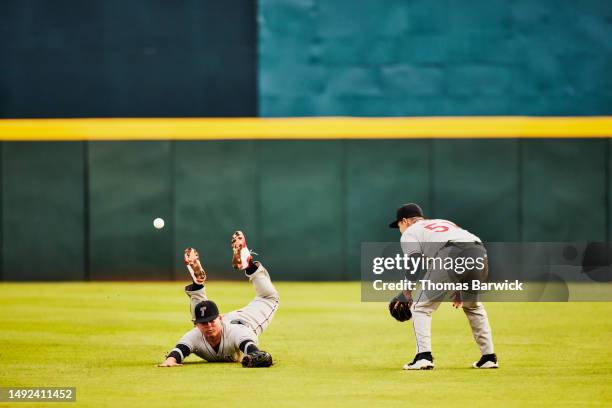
(399, 307)
(257, 358)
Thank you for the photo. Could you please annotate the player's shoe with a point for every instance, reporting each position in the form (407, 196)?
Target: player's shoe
(192, 261)
(486, 361)
(241, 258)
(422, 361)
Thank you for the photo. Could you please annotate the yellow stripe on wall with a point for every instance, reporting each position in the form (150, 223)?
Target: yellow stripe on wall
(304, 128)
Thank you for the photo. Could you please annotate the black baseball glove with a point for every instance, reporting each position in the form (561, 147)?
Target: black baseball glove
(399, 307)
(257, 358)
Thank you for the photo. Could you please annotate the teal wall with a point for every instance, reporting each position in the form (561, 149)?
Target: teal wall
(76, 210)
(443, 57)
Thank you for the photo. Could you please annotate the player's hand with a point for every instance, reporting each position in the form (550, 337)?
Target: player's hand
(169, 362)
(457, 302)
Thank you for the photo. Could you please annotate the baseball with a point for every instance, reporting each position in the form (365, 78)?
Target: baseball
(158, 223)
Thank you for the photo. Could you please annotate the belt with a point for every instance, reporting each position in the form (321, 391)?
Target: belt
(452, 243)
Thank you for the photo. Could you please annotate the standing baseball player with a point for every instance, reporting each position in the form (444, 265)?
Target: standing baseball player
(437, 238)
(225, 338)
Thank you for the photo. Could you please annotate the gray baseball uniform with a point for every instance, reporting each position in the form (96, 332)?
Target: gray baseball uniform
(241, 325)
(431, 238)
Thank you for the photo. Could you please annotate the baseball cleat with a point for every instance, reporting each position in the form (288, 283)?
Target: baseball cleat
(241, 255)
(192, 261)
(486, 361)
(422, 361)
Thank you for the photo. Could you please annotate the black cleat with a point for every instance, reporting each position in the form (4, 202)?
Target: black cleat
(486, 361)
(422, 361)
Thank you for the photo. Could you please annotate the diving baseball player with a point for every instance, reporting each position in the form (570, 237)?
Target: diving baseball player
(441, 239)
(225, 338)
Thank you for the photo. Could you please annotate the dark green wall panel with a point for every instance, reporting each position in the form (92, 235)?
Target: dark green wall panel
(302, 201)
(216, 192)
(475, 184)
(43, 211)
(64, 58)
(564, 190)
(130, 184)
(380, 176)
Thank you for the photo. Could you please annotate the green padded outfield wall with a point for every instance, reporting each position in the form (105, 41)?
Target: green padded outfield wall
(442, 57)
(43, 211)
(216, 192)
(130, 184)
(85, 210)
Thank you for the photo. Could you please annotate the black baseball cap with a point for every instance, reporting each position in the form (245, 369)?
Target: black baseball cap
(406, 211)
(206, 311)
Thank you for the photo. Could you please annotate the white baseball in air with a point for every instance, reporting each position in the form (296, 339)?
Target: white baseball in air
(159, 223)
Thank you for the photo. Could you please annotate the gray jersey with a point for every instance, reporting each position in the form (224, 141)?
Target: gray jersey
(233, 335)
(429, 236)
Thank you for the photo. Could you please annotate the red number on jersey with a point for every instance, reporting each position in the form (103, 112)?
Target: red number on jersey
(436, 227)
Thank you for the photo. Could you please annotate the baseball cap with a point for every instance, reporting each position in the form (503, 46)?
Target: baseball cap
(406, 211)
(206, 311)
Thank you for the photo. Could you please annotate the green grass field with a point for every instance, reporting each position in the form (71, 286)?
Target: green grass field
(330, 350)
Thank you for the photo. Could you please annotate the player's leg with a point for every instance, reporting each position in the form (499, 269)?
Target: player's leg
(481, 330)
(426, 301)
(197, 294)
(261, 310)
(421, 326)
(475, 311)
(196, 291)
(259, 313)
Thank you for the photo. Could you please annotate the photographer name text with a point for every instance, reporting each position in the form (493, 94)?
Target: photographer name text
(474, 285)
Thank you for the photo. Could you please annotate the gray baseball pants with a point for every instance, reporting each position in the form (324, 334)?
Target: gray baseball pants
(425, 302)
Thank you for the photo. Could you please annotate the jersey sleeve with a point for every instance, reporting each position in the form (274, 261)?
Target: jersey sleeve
(190, 338)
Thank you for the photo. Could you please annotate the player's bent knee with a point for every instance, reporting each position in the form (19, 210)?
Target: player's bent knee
(471, 305)
(273, 295)
(424, 307)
